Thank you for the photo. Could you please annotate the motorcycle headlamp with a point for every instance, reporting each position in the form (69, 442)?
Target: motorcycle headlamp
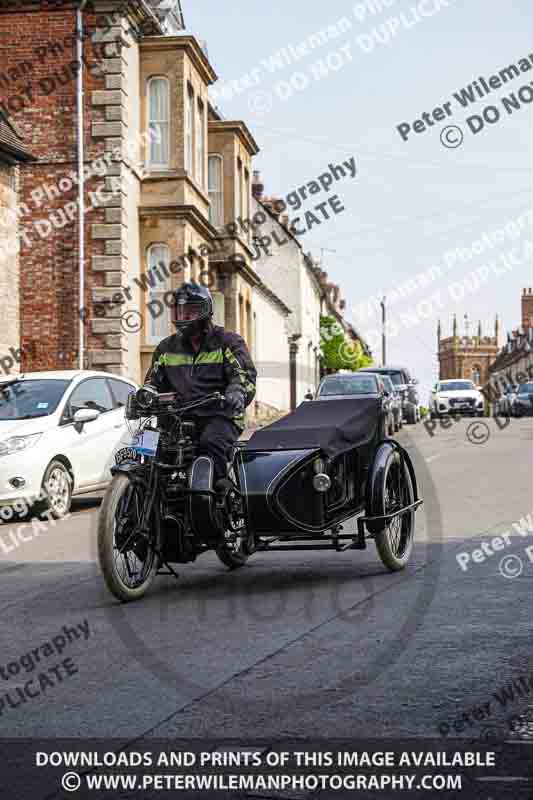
(146, 398)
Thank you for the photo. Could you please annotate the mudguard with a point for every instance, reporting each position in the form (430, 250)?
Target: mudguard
(201, 505)
(132, 469)
(376, 481)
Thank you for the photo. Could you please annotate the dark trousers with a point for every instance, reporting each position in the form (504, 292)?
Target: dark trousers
(217, 436)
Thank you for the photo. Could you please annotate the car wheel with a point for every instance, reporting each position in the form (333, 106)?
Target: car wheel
(57, 485)
(411, 416)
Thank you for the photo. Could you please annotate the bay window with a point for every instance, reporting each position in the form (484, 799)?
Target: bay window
(158, 122)
(158, 323)
(216, 195)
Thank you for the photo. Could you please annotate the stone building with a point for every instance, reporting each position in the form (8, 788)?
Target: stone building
(231, 149)
(514, 362)
(163, 175)
(467, 356)
(12, 154)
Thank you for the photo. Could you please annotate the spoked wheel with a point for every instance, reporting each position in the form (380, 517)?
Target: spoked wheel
(391, 489)
(395, 542)
(128, 557)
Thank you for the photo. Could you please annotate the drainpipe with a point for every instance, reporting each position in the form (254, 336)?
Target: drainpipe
(293, 369)
(81, 183)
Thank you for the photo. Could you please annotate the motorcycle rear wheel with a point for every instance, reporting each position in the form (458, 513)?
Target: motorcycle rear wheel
(128, 571)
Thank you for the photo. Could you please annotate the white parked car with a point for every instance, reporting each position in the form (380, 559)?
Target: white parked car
(456, 397)
(59, 432)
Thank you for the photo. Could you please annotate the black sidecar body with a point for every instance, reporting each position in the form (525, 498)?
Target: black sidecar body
(319, 467)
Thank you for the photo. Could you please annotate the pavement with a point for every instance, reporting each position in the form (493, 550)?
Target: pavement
(293, 643)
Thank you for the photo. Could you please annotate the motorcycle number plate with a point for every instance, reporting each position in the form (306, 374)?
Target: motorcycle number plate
(143, 445)
(127, 454)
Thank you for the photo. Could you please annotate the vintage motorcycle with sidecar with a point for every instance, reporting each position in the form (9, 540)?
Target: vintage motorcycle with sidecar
(319, 478)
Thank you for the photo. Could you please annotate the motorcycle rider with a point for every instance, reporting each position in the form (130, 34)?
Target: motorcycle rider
(202, 358)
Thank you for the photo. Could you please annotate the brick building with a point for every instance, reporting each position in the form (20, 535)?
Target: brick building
(12, 154)
(514, 362)
(467, 356)
(162, 175)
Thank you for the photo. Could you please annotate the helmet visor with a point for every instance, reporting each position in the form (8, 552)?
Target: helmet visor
(188, 312)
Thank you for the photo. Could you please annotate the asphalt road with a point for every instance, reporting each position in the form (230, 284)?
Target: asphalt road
(297, 643)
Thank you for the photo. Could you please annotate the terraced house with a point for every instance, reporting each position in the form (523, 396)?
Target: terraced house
(163, 179)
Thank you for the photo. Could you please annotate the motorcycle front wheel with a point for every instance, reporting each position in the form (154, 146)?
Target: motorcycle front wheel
(128, 558)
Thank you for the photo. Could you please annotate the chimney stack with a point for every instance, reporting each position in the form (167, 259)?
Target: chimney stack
(527, 309)
(257, 187)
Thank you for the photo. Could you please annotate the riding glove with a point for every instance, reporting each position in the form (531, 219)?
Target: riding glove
(235, 401)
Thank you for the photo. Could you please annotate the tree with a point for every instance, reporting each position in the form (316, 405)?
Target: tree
(337, 351)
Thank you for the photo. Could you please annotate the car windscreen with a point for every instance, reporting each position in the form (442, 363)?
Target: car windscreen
(398, 378)
(30, 398)
(456, 386)
(348, 386)
(525, 388)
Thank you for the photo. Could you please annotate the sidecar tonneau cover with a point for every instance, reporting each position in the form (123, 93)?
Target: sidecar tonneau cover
(334, 426)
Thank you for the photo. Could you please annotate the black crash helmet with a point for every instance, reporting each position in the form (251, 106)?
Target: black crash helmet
(193, 304)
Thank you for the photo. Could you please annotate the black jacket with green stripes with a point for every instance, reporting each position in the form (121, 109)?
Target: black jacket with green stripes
(223, 361)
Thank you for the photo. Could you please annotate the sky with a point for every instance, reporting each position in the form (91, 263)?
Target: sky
(460, 216)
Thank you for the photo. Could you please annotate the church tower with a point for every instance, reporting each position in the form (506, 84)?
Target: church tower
(467, 356)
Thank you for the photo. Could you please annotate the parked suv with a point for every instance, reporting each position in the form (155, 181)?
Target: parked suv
(456, 397)
(59, 432)
(407, 387)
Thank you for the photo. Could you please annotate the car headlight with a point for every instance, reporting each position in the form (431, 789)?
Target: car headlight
(17, 443)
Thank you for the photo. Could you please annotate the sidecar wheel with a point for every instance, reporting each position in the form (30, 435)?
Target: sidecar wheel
(128, 571)
(392, 489)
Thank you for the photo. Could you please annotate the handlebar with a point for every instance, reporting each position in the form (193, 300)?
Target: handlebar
(147, 401)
